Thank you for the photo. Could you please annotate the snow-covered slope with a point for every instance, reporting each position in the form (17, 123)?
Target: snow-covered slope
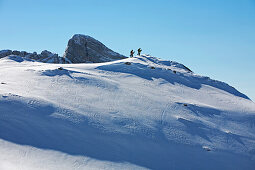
(135, 113)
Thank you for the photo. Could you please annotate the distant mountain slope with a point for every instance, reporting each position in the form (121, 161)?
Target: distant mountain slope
(134, 113)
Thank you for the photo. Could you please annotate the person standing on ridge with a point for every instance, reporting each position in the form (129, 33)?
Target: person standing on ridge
(132, 52)
(139, 51)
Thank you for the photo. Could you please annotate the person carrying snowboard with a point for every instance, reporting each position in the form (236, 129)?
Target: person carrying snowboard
(139, 51)
(132, 52)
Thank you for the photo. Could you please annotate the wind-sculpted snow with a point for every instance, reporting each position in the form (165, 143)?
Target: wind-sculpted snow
(44, 126)
(146, 58)
(202, 111)
(77, 77)
(118, 116)
(186, 78)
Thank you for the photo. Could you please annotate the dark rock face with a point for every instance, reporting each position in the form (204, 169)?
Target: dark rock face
(85, 49)
(45, 56)
(15, 52)
(5, 53)
(80, 49)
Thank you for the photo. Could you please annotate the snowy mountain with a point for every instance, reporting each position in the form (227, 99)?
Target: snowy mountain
(134, 113)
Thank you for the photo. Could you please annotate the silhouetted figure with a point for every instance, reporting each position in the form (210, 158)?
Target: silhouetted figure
(132, 52)
(139, 51)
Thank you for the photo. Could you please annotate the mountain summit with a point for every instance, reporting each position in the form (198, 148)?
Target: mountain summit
(85, 49)
(80, 49)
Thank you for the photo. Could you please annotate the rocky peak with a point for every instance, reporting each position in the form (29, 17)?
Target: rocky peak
(45, 56)
(80, 49)
(85, 49)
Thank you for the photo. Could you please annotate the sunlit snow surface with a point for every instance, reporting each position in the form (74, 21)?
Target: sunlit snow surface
(119, 116)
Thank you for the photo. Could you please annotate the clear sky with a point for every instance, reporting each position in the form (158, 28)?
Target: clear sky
(215, 38)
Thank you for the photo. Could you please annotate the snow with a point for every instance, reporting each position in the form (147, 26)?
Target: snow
(117, 116)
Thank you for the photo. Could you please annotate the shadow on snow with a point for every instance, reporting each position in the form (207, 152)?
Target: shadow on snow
(145, 72)
(35, 125)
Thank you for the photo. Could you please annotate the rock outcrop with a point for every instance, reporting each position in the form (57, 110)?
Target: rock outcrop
(80, 49)
(85, 49)
(45, 56)
(4, 53)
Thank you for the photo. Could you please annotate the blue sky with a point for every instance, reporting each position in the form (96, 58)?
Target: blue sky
(215, 38)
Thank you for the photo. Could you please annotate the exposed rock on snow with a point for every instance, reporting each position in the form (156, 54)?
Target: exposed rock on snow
(15, 52)
(127, 63)
(5, 53)
(45, 56)
(85, 49)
